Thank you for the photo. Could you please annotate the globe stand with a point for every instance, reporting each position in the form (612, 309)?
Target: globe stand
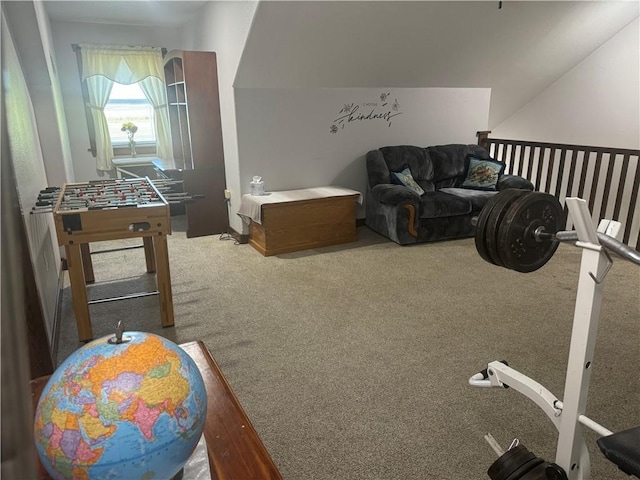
(119, 338)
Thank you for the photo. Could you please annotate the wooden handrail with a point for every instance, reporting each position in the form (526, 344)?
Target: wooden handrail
(608, 178)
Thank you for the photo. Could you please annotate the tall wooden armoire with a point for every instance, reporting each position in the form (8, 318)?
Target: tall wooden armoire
(196, 131)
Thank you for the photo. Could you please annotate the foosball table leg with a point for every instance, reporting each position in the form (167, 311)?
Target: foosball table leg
(163, 277)
(149, 254)
(87, 264)
(79, 292)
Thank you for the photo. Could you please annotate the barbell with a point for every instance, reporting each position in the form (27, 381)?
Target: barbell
(518, 229)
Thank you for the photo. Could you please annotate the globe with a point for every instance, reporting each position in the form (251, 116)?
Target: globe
(129, 410)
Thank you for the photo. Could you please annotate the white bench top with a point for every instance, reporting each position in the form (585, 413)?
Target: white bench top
(251, 205)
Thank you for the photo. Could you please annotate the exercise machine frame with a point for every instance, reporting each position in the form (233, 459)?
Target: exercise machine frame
(568, 415)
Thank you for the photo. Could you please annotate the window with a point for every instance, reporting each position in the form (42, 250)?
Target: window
(124, 84)
(127, 103)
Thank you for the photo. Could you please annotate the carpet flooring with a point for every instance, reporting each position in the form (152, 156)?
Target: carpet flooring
(352, 361)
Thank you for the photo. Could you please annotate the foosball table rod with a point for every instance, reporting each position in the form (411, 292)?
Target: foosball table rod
(35, 210)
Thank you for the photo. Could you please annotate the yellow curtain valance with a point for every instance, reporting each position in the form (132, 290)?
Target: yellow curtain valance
(121, 64)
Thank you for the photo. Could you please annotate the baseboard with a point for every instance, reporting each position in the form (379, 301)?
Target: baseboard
(57, 319)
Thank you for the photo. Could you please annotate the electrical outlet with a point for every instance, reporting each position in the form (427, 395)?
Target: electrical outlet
(227, 194)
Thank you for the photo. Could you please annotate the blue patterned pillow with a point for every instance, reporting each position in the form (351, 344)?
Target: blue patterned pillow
(405, 178)
(482, 173)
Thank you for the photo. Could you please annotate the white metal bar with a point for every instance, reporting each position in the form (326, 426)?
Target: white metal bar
(501, 374)
(583, 339)
(478, 380)
(495, 446)
(124, 297)
(581, 218)
(596, 427)
(611, 228)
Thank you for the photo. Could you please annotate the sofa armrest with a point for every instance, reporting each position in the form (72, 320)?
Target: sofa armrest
(513, 181)
(394, 211)
(391, 194)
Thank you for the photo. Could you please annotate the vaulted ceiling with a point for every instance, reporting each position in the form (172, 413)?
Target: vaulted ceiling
(163, 13)
(517, 48)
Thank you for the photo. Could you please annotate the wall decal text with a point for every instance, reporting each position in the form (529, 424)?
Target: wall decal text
(382, 109)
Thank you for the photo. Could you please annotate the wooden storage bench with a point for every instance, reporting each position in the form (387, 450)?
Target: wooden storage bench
(288, 221)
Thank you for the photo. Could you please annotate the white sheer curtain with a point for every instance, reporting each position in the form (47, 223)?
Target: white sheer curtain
(104, 64)
(99, 88)
(155, 91)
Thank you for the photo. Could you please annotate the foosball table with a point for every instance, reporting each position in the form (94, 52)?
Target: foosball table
(112, 210)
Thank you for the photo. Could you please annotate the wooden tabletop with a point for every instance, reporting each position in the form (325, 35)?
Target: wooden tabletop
(234, 447)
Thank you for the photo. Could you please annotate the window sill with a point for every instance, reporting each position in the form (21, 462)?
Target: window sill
(125, 151)
(138, 144)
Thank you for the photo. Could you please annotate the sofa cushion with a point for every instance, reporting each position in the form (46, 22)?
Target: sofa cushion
(440, 204)
(478, 198)
(449, 162)
(415, 157)
(481, 173)
(404, 177)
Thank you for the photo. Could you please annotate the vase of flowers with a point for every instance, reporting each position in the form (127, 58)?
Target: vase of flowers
(131, 130)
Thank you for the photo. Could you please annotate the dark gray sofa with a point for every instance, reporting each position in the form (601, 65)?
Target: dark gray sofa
(444, 211)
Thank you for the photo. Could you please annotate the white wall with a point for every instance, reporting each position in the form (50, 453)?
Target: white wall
(222, 27)
(595, 103)
(30, 176)
(56, 148)
(33, 44)
(285, 134)
(65, 34)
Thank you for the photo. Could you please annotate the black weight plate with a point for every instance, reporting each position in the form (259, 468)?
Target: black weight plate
(507, 197)
(481, 227)
(519, 249)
